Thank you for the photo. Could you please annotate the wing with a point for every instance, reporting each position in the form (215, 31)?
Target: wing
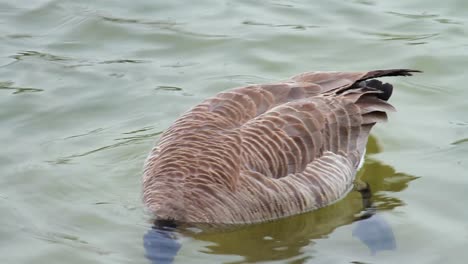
(308, 151)
(287, 138)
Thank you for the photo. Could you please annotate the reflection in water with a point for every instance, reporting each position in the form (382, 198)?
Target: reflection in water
(161, 245)
(375, 232)
(284, 239)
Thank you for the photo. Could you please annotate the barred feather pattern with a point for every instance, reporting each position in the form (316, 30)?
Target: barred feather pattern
(268, 151)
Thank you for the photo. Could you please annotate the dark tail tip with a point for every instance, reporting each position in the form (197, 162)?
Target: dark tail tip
(392, 72)
(386, 89)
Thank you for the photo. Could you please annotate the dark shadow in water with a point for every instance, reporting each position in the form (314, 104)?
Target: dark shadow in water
(375, 232)
(284, 239)
(161, 245)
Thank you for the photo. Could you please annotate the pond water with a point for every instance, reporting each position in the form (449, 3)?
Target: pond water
(86, 88)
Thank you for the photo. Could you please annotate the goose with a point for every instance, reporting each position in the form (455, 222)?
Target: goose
(268, 151)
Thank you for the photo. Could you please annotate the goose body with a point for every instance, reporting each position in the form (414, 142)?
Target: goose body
(268, 151)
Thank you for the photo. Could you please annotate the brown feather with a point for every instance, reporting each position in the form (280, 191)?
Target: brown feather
(267, 151)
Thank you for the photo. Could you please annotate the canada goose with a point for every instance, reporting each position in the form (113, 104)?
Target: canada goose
(267, 151)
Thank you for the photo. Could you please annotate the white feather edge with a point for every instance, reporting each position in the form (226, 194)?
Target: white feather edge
(361, 162)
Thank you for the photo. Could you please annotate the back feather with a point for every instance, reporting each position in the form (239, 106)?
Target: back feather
(266, 151)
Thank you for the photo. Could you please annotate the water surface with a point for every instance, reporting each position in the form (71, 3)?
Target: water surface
(87, 87)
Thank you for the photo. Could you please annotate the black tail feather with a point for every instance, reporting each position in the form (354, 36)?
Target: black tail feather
(392, 72)
(386, 89)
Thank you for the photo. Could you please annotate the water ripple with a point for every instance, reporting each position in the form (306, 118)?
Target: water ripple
(365, 2)
(86, 134)
(413, 16)
(420, 86)
(180, 65)
(68, 62)
(168, 88)
(165, 23)
(292, 26)
(172, 89)
(88, 63)
(410, 38)
(123, 61)
(287, 4)
(448, 21)
(459, 123)
(68, 240)
(19, 36)
(45, 56)
(123, 141)
(424, 15)
(8, 85)
(460, 141)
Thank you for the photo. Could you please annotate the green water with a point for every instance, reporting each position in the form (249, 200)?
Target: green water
(86, 87)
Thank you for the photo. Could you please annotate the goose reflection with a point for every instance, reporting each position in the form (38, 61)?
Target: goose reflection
(161, 244)
(284, 239)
